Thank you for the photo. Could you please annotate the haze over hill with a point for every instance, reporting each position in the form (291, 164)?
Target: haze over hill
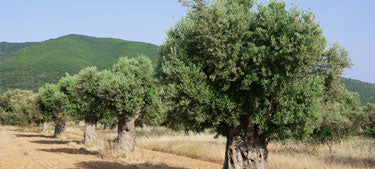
(31, 65)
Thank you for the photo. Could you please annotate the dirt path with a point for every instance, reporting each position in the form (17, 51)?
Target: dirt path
(28, 150)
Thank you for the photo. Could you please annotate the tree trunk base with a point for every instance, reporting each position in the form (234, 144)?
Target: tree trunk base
(45, 127)
(245, 153)
(59, 129)
(90, 135)
(126, 135)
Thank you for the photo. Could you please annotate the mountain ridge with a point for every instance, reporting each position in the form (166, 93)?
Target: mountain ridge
(37, 63)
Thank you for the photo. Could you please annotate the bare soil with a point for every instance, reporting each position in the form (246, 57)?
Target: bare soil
(29, 150)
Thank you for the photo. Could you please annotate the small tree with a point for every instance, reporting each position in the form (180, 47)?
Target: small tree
(34, 114)
(340, 107)
(129, 92)
(154, 113)
(53, 104)
(369, 120)
(91, 109)
(250, 74)
(340, 120)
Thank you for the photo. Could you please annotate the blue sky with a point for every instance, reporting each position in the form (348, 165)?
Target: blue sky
(351, 23)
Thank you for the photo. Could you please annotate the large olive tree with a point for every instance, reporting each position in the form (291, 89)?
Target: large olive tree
(248, 70)
(130, 91)
(90, 106)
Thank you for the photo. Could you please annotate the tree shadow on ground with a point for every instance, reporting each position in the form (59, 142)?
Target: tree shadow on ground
(55, 141)
(351, 161)
(33, 135)
(70, 151)
(115, 165)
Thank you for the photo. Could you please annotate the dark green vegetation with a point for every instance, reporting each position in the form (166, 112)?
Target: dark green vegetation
(31, 65)
(365, 90)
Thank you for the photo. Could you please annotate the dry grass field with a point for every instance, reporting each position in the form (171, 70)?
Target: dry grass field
(356, 152)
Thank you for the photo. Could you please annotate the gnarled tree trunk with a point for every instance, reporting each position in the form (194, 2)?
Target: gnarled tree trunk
(246, 152)
(45, 127)
(126, 134)
(59, 129)
(90, 131)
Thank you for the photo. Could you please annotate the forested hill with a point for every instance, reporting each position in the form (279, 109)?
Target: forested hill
(31, 65)
(365, 90)
(7, 48)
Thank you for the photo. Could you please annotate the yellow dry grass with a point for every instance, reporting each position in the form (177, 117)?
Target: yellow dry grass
(356, 152)
(198, 146)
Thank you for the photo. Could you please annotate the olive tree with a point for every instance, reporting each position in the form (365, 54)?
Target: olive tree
(90, 104)
(53, 105)
(17, 107)
(130, 91)
(341, 109)
(251, 74)
(340, 120)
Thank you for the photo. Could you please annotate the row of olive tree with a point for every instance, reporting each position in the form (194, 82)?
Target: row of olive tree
(126, 92)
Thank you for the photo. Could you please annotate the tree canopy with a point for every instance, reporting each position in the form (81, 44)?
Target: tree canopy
(130, 91)
(250, 70)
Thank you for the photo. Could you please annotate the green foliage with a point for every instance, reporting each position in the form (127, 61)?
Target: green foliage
(365, 90)
(341, 119)
(109, 120)
(87, 94)
(46, 62)
(341, 109)
(239, 70)
(369, 122)
(53, 103)
(131, 89)
(67, 86)
(17, 107)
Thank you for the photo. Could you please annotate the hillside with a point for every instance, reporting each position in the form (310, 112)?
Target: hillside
(7, 48)
(31, 65)
(365, 90)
